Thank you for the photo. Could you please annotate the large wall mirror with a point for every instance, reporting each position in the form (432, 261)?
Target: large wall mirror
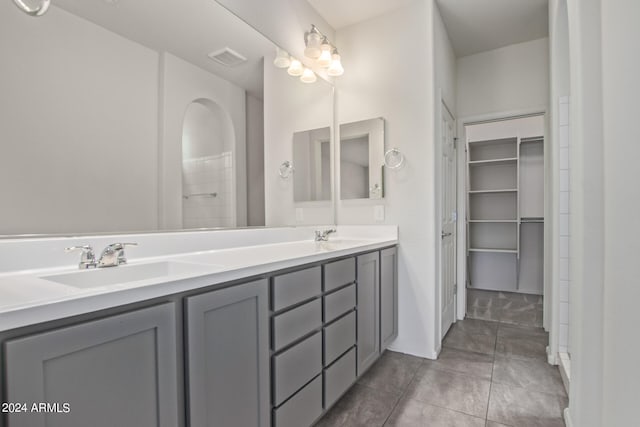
(145, 115)
(362, 159)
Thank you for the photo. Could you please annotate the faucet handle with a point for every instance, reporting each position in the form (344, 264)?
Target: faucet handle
(323, 235)
(117, 248)
(88, 257)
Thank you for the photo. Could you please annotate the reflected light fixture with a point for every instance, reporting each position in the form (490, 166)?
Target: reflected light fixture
(295, 69)
(282, 59)
(308, 76)
(335, 69)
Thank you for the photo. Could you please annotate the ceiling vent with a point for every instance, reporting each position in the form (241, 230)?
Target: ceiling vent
(227, 57)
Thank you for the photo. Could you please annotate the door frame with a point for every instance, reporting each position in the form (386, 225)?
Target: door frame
(549, 291)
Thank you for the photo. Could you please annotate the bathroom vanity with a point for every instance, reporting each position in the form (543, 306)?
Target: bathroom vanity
(259, 335)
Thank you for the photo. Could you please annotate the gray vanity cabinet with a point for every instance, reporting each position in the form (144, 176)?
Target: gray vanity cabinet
(388, 296)
(115, 371)
(228, 356)
(368, 310)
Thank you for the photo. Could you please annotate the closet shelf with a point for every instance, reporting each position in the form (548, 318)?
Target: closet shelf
(493, 221)
(494, 141)
(499, 251)
(490, 162)
(506, 190)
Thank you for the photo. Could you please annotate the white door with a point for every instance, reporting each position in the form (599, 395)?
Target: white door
(448, 218)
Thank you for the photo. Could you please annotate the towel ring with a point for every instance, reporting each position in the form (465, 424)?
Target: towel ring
(393, 158)
(286, 169)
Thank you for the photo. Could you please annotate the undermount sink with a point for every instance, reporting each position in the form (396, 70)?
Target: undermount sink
(129, 273)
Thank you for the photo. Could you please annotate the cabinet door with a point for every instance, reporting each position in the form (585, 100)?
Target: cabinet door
(368, 309)
(116, 371)
(228, 356)
(388, 297)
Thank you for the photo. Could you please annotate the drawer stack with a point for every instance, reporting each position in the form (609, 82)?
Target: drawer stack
(339, 328)
(313, 330)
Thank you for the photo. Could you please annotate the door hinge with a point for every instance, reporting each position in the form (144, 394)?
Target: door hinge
(455, 289)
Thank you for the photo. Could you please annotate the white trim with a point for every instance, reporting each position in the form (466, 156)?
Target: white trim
(462, 208)
(567, 417)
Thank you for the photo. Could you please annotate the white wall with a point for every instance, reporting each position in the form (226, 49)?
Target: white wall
(389, 73)
(291, 106)
(512, 78)
(620, 65)
(255, 161)
(183, 83)
(587, 222)
(91, 163)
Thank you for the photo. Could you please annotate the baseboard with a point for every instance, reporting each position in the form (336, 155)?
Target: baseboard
(565, 370)
(552, 358)
(567, 418)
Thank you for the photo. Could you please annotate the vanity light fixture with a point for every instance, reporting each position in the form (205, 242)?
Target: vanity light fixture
(313, 40)
(308, 76)
(325, 54)
(335, 69)
(283, 60)
(325, 57)
(296, 68)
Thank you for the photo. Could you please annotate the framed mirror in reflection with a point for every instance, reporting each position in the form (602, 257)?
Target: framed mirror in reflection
(362, 159)
(312, 161)
(117, 119)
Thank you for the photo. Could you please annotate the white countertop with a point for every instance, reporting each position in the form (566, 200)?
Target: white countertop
(27, 298)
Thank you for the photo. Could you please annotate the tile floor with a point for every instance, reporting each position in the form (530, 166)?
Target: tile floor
(489, 374)
(505, 307)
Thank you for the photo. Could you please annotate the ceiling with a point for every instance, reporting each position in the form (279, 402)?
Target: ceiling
(473, 25)
(189, 29)
(342, 13)
(479, 25)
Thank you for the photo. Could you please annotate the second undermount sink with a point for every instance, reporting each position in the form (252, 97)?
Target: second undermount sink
(129, 273)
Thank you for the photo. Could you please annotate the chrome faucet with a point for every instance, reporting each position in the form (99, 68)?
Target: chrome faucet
(113, 255)
(323, 235)
(88, 257)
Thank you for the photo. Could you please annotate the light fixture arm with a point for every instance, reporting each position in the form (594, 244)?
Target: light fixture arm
(39, 10)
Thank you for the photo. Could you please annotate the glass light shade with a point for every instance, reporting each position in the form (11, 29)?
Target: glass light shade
(308, 76)
(325, 57)
(282, 59)
(295, 69)
(335, 69)
(313, 45)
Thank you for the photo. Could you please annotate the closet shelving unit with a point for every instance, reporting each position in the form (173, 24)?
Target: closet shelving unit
(495, 208)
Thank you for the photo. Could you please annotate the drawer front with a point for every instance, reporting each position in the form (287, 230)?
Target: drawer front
(295, 287)
(338, 303)
(339, 273)
(339, 336)
(293, 324)
(339, 377)
(295, 367)
(303, 408)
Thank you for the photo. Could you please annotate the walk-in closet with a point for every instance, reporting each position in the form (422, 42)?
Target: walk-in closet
(505, 205)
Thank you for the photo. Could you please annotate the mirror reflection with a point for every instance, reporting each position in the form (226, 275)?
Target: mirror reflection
(114, 119)
(312, 162)
(362, 159)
